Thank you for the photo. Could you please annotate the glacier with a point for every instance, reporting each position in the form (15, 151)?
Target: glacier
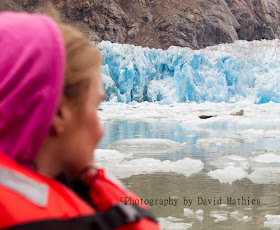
(223, 73)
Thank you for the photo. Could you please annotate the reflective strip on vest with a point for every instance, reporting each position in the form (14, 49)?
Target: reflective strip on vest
(27, 187)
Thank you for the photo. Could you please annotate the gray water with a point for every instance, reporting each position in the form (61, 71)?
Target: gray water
(168, 186)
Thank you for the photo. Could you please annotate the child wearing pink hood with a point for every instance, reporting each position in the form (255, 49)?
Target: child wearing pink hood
(50, 89)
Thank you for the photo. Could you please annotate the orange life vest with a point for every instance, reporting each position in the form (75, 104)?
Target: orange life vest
(29, 200)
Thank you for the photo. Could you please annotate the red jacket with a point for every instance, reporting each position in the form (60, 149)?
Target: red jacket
(29, 200)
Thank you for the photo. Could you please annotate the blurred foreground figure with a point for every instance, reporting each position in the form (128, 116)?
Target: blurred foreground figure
(50, 89)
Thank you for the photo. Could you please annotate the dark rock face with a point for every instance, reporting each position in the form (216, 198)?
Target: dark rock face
(7, 5)
(163, 23)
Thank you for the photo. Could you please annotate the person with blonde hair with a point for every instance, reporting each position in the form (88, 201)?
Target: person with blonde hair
(50, 89)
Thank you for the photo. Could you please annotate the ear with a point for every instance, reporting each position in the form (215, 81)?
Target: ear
(61, 118)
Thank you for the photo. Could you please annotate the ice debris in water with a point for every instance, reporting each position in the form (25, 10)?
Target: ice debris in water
(186, 166)
(265, 175)
(226, 72)
(206, 143)
(261, 169)
(231, 160)
(219, 215)
(107, 156)
(198, 214)
(142, 146)
(266, 169)
(272, 222)
(223, 216)
(259, 120)
(239, 216)
(268, 158)
(228, 174)
(172, 223)
(126, 168)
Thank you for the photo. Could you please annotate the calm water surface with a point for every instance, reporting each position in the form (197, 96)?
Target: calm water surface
(177, 186)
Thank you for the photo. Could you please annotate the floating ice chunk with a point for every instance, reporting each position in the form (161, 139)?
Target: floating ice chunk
(236, 158)
(267, 158)
(106, 156)
(223, 206)
(265, 175)
(273, 222)
(273, 133)
(266, 169)
(186, 166)
(239, 216)
(198, 214)
(173, 219)
(261, 133)
(219, 215)
(231, 160)
(228, 174)
(206, 143)
(126, 168)
(171, 223)
(142, 146)
(261, 120)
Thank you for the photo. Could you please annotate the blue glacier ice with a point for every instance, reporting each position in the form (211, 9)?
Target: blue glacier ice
(222, 73)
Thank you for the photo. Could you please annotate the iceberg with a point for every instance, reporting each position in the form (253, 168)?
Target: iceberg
(228, 174)
(172, 223)
(207, 143)
(122, 166)
(146, 145)
(219, 215)
(239, 216)
(273, 222)
(222, 73)
(189, 213)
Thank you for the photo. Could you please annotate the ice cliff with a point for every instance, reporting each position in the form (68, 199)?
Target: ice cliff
(223, 73)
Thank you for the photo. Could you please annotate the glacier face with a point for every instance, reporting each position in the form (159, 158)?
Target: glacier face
(223, 73)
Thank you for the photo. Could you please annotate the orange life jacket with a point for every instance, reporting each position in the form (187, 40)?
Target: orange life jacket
(29, 200)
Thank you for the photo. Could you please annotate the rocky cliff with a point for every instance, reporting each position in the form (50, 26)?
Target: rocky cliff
(163, 23)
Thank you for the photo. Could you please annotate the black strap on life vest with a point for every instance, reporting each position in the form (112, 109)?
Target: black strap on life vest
(78, 187)
(116, 216)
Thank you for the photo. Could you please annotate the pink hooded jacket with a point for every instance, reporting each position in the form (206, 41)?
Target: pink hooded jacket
(32, 67)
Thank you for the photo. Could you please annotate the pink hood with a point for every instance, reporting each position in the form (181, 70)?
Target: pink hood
(32, 66)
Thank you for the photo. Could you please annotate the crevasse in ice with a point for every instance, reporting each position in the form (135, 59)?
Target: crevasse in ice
(222, 73)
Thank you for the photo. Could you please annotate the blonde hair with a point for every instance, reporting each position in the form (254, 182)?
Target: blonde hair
(81, 57)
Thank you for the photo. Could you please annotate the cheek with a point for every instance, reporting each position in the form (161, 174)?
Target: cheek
(97, 129)
(100, 131)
